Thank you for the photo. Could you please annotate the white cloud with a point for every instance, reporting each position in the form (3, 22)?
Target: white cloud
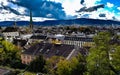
(110, 5)
(109, 15)
(95, 14)
(71, 6)
(5, 2)
(89, 3)
(22, 10)
(118, 8)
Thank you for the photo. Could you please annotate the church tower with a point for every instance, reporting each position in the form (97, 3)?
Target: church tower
(31, 21)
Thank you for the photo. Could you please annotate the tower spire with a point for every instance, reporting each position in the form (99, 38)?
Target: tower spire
(31, 21)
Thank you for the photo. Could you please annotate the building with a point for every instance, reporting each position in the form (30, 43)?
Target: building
(48, 50)
(37, 38)
(10, 32)
(69, 40)
(78, 41)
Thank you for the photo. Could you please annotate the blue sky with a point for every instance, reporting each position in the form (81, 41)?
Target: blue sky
(66, 9)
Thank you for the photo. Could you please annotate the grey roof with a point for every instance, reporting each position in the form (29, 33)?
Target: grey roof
(20, 42)
(66, 38)
(10, 29)
(38, 37)
(48, 50)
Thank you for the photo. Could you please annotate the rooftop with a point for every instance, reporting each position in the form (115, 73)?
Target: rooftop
(48, 50)
(38, 37)
(19, 42)
(10, 29)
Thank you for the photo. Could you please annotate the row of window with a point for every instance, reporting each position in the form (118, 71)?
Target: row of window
(28, 57)
(78, 43)
(26, 62)
(11, 34)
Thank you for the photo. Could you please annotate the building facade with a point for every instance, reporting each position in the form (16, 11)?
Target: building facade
(10, 32)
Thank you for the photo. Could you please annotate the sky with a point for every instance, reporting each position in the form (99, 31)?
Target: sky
(65, 9)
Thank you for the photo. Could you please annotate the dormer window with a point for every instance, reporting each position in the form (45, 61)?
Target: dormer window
(47, 51)
(41, 50)
(57, 52)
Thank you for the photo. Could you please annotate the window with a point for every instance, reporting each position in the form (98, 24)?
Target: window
(41, 50)
(47, 51)
(23, 62)
(28, 57)
(57, 52)
(23, 56)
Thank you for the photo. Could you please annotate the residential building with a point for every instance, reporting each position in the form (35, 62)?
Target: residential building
(10, 32)
(78, 41)
(48, 50)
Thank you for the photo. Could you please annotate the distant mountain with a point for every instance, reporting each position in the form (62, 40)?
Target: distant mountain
(79, 21)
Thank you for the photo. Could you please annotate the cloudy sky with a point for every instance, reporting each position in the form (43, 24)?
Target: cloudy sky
(65, 9)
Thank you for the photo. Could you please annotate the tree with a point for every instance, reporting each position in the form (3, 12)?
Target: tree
(37, 65)
(75, 66)
(115, 60)
(78, 65)
(10, 55)
(98, 60)
(64, 68)
(51, 64)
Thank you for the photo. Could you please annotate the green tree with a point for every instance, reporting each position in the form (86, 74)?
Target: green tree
(115, 60)
(51, 64)
(37, 65)
(64, 68)
(10, 55)
(98, 60)
(75, 66)
(78, 65)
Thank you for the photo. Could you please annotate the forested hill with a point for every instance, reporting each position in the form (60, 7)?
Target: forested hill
(79, 21)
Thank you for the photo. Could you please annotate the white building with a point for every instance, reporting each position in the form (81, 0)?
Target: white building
(10, 33)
